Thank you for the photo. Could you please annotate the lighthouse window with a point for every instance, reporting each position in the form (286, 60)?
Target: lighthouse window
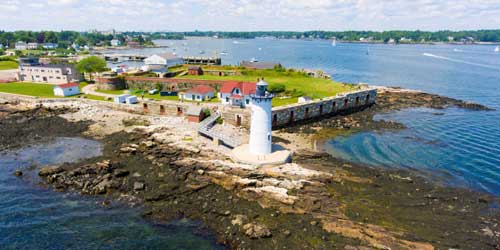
(247, 101)
(227, 99)
(268, 136)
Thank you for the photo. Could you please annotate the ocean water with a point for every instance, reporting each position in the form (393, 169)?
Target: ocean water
(461, 146)
(34, 217)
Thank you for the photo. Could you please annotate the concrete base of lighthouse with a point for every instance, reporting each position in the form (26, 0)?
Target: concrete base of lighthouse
(278, 156)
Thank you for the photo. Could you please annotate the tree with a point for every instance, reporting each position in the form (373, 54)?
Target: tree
(91, 65)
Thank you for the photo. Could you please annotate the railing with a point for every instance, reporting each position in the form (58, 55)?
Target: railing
(206, 130)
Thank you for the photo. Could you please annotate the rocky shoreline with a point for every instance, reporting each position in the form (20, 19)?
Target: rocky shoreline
(317, 202)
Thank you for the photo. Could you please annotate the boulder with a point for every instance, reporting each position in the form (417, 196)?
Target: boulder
(49, 170)
(255, 231)
(120, 173)
(138, 186)
(18, 173)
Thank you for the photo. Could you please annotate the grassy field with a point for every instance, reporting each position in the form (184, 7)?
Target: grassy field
(294, 82)
(138, 93)
(8, 65)
(32, 89)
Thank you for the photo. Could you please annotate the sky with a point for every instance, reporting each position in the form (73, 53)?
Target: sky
(249, 15)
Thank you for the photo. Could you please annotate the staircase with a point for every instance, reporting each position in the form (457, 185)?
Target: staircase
(205, 129)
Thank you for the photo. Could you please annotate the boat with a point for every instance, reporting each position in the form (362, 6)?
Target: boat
(497, 49)
(223, 53)
(202, 52)
(236, 42)
(254, 60)
(334, 42)
(260, 48)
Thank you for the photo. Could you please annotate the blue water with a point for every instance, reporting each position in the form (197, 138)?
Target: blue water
(465, 144)
(33, 217)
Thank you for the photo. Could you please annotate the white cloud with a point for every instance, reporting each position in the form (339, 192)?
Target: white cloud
(252, 14)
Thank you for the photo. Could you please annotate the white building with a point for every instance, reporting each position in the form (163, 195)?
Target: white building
(237, 93)
(32, 45)
(131, 99)
(68, 89)
(116, 43)
(199, 93)
(50, 45)
(121, 98)
(261, 121)
(160, 63)
(21, 46)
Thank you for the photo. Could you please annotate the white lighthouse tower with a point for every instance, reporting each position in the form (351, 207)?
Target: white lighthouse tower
(260, 150)
(261, 121)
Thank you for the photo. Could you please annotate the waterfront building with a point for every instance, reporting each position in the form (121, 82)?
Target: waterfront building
(67, 89)
(32, 46)
(237, 93)
(50, 45)
(116, 43)
(30, 70)
(21, 45)
(160, 63)
(261, 121)
(199, 93)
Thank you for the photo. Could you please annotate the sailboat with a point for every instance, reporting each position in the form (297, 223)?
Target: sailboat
(497, 49)
(334, 42)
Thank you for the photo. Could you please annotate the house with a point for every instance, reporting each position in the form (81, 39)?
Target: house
(160, 63)
(67, 89)
(32, 45)
(31, 70)
(259, 65)
(199, 93)
(116, 43)
(50, 45)
(237, 93)
(21, 45)
(195, 114)
(195, 70)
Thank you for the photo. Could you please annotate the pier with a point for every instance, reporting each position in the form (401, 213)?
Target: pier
(139, 58)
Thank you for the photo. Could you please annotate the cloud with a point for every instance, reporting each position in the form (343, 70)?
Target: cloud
(251, 14)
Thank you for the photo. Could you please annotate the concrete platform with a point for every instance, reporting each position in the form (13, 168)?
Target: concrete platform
(279, 156)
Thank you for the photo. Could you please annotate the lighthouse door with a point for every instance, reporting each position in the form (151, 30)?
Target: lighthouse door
(238, 120)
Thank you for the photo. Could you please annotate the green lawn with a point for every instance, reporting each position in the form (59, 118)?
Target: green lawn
(282, 102)
(8, 65)
(32, 89)
(138, 93)
(314, 87)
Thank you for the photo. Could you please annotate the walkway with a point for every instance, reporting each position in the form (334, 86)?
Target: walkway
(206, 130)
(90, 90)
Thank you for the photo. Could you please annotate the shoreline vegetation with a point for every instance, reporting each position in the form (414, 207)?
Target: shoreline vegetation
(74, 40)
(318, 202)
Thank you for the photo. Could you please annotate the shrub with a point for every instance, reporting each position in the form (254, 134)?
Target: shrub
(277, 88)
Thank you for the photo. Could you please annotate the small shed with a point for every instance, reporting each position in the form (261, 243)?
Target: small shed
(195, 114)
(121, 98)
(131, 99)
(68, 89)
(195, 70)
(304, 99)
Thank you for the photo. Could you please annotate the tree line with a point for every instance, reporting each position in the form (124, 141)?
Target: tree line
(67, 38)
(397, 35)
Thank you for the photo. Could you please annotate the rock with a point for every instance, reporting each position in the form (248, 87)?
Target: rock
(129, 150)
(49, 170)
(103, 186)
(149, 144)
(287, 233)
(314, 223)
(136, 174)
(138, 186)
(238, 219)
(18, 173)
(120, 173)
(200, 171)
(255, 231)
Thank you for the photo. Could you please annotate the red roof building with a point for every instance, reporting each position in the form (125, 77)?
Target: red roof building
(199, 93)
(237, 93)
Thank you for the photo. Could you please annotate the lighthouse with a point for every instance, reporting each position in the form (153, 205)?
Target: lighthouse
(261, 120)
(260, 149)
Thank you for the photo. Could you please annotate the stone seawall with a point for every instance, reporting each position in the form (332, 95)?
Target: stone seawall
(348, 102)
